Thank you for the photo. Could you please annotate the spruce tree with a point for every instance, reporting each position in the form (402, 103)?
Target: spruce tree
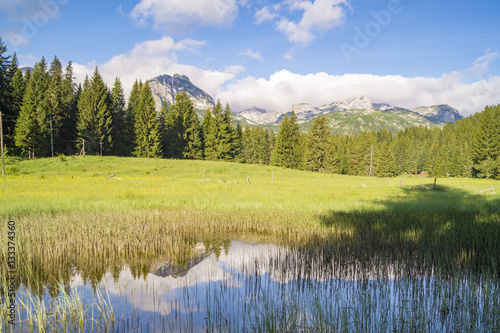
(147, 131)
(129, 120)
(209, 128)
(317, 144)
(248, 143)
(233, 135)
(32, 133)
(174, 126)
(386, 165)
(17, 88)
(118, 114)
(193, 140)
(94, 119)
(486, 143)
(287, 149)
(55, 103)
(5, 63)
(70, 93)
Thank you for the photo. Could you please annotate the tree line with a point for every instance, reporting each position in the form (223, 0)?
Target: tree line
(46, 113)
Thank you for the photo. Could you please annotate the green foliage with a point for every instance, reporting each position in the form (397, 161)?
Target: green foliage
(118, 112)
(95, 121)
(486, 143)
(147, 127)
(221, 138)
(317, 144)
(287, 151)
(182, 130)
(32, 133)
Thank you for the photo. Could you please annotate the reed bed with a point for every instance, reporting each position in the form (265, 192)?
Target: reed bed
(70, 220)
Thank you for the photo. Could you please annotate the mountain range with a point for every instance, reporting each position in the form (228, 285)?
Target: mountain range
(345, 117)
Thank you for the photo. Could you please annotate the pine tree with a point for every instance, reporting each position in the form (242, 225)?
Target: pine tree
(193, 140)
(17, 88)
(287, 149)
(94, 119)
(209, 128)
(55, 103)
(32, 133)
(129, 120)
(118, 113)
(317, 144)
(147, 131)
(69, 100)
(174, 126)
(486, 143)
(223, 136)
(386, 165)
(5, 92)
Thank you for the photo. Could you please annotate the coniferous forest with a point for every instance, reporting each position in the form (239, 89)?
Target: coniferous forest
(45, 113)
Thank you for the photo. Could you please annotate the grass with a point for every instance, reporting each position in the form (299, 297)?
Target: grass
(77, 184)
(69, 218)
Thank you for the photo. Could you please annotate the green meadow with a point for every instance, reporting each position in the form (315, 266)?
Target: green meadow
(71, 216)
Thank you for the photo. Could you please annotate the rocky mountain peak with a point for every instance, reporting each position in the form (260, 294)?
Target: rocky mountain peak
(439, 113)
(166, 87)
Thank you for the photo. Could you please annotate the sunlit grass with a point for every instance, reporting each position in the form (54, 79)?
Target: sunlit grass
(69, 218)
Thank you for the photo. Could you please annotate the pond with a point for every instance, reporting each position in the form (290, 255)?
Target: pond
(236, 286)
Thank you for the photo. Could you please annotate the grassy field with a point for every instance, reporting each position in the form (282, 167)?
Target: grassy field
(70, 218)
(78, 184)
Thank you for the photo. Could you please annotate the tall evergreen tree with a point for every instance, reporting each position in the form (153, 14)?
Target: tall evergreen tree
(129, 120)
(147, 130)
(17, 88)
(5, 63)
(118, 112)
(70, 94)
(209, 128)
(287, 150)
(55, 102)
(486, 143)
(386, 166)
(317, 144)
(32, 133)
(94, 119)
(193, 139)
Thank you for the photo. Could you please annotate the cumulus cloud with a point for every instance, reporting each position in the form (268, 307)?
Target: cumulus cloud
(318, 16)
(152, 58)
(175, 14)
(252, 54)
(284, 88)
(462, 90)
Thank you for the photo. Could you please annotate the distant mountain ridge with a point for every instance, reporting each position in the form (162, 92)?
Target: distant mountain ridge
(349, 116)
(166, 87)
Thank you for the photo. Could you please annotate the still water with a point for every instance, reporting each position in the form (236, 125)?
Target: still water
(252, 287)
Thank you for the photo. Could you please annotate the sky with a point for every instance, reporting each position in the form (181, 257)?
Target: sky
(272, 54)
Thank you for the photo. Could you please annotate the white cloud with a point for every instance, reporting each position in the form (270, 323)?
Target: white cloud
(318, 16)
(26, 18)
(252, 54)
(264, 14)
(234, 70)
(152, 58)
(175, 14)
(282, 89)
(480, 67)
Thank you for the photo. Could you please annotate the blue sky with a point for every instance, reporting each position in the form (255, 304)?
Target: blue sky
(272, 54)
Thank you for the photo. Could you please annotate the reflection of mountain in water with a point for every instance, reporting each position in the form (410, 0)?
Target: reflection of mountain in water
(170, 269)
